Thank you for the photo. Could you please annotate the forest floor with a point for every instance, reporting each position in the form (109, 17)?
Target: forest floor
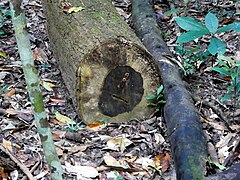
(138, 149)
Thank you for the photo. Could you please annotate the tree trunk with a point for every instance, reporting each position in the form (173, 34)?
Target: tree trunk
(183, 122)
(105, 67)
(34, 92)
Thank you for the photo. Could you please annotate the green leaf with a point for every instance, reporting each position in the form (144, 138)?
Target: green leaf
(162, 101)
(211, 22)
(190, 24)
(222, 71)
(216, 46)
(160, 89)
(189, 36)
(75, 9)
(234, 26)
(224, 64)
(3, 55)
(7, 13)
(64, 119)
(159, 96)
(47, 86)
(221, 167)
(234, 75)
(171, 12)
(227, 59)
(230, 87)
(191, 51)
(227, 96)
(151, 97)
(238, 88)
(151, 104)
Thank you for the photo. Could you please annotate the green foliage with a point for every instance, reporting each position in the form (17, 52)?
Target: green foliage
(191, 58)
(231, 68)
(219, 166)
(74, 128)
(156, 101)
(5, 14)
(234, 26)
(211, 22)
(216, 46)
(196, 29)
(190, 24)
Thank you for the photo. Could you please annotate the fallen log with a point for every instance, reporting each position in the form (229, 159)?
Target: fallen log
(104, 65)
(183, 122)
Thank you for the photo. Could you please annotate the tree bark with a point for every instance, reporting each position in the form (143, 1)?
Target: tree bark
(183, 122)
(105, 67)
(35, 95)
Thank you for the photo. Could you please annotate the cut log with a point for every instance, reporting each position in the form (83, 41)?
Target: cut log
(183, 122)
(105, 67)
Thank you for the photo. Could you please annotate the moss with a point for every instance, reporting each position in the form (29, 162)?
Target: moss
(194, 170)
(37, 101)
(34, 84)
(95, 31)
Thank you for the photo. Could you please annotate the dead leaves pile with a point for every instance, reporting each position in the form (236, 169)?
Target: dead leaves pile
(103, 151)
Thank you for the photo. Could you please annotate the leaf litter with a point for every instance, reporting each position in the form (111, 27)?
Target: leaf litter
(138, 149)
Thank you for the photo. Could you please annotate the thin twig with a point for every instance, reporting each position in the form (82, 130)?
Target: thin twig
(216, 110)
(35, 166)
(24, 169)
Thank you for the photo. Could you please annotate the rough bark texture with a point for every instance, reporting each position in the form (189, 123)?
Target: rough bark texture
(184, 127)
(105, 68)
(35, 95)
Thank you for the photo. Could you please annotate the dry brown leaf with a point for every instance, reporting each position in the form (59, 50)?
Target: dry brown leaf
(12, 112)
(96, 126)
(215, 125)
(58, 135)
(75, 149)
(59, 151)
(145, 162)
(7, 144)
(165, 162)
(3, 174)
(11, 92)
(118, 143)
(110, 161)
(158, 159)
(57, 100)
(85, 171)
(55, 121)
(235, 127)
(224, 140)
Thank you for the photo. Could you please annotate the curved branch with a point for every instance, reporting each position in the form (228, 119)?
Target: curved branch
(187, 140)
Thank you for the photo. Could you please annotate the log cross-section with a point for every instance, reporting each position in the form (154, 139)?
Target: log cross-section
(106, 69)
